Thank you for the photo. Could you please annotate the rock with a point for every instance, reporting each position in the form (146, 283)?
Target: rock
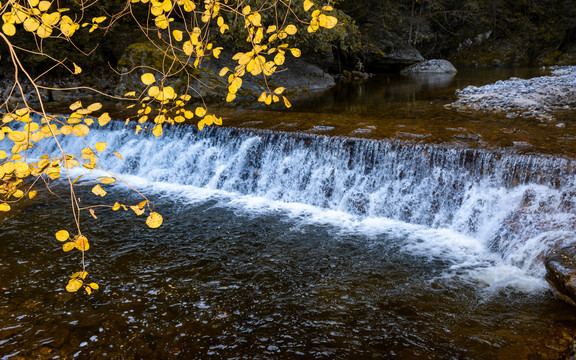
(436, 66)
(385, 51)
(297, 76)
(538, 97)
(561, 273)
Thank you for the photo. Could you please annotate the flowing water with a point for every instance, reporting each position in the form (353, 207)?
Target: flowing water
(296, 245)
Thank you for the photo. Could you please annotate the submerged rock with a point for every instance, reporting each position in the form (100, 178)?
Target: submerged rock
(561, 273)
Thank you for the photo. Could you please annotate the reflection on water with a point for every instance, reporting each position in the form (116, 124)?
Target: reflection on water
(412, 108)
(221, 282)
(239, 276)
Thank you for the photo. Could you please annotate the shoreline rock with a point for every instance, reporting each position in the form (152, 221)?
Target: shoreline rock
(561, 273)
(532, 98)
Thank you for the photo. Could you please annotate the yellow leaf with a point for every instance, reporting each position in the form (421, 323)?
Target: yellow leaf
(256, 19)
(44, 31)
(104, 119)
(62, 235)
(307, 5)
(79, 274)
(154, 220)
(200, 111)
(81, 243)
(268, 100)
(4, 207)
(80, 130)
(3, 154)
(97, 190)
(118, 155)
(295, 52)
(201, 125)
(9, 29)
(286, 102)
(177, 35)
(230, 97)
(291, 29)
(279, 59)
(31, 24)
(32, 194)
(246, 10)
(154, 91)
(330, 22)
(94, 107)
(116, 206)
(88, 290)
(77, 105)
(94, 286)
(157, 131)
(108, 180)
(44, 5)
(168, 93)
(188, 48)
(50, 20)
(148, 78)
(77, 69)
(74, 285)
(271, 29)
(100, 146)
(137, 210)
(68, 246)
(161, 21)
(279, 90)
(66, 129)
(262, 97)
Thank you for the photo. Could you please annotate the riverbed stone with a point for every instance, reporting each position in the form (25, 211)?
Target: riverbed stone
(561, 273)
(435, 66)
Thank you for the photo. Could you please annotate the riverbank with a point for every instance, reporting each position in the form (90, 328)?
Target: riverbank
(538, 97)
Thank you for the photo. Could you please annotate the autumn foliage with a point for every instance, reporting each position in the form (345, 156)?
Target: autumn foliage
(25, 126)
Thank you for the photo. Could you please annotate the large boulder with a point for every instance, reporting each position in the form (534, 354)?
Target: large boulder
(384, 51)
(297, 76)
(561, 273)
(435, 66)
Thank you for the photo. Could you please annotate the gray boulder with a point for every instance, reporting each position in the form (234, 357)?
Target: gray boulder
(436, 66)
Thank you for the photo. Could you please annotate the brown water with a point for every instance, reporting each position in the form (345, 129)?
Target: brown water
(238, 275)
(412, 108)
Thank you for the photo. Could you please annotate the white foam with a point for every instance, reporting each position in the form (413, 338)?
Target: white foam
(474, 210)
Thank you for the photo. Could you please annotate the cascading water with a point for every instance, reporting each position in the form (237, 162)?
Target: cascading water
(514, 206)
(294, 246)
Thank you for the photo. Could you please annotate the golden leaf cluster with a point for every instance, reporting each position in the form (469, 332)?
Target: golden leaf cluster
(158, 105)
(37, 17)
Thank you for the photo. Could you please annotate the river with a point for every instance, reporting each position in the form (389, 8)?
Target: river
(303, 244)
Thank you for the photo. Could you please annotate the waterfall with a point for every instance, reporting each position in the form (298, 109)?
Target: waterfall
(517, 205)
